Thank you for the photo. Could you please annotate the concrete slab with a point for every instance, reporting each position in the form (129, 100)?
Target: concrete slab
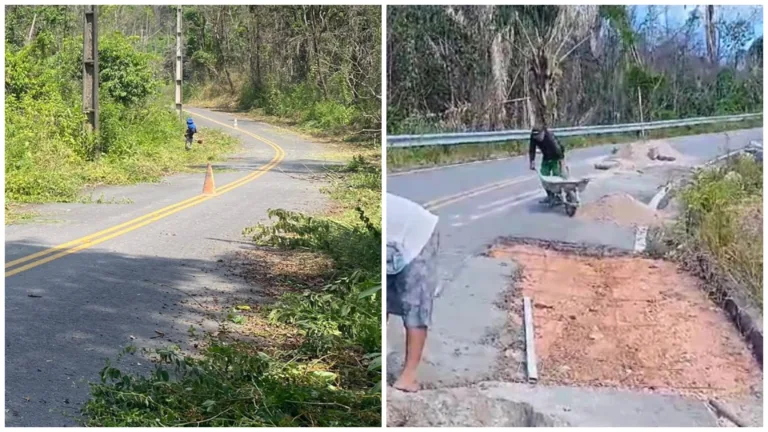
(606, 407)
(467, 332)
(520, 405)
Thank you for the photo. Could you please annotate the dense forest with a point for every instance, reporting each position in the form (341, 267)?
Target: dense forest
(495, 67)
(323, 62)
(318, 66)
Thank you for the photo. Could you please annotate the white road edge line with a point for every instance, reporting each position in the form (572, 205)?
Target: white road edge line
(508, 200)
(519, 199)
(656, 200)
(641, 235)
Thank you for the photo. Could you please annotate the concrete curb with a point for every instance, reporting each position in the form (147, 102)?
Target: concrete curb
(641, 238)
(734, 304)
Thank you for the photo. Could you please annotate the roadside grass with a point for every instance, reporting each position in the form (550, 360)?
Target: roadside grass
(49, 178)
(722, 223)
(399, 159)
(310, 358)
(43, 176)
(15, 214)
(230, 385)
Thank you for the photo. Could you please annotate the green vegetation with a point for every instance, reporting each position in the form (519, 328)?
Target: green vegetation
(493, 67)
(316, 67)
(230, 386)
(420, 157)
(49, 156)
(14, 215)
(723, 223)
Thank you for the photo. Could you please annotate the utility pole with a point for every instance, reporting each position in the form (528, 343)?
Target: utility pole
(91, 69)
(178, 61)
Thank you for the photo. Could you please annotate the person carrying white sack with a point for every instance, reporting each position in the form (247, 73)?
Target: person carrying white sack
(412, 278)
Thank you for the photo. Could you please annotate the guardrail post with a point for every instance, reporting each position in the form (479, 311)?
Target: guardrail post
(640, 101)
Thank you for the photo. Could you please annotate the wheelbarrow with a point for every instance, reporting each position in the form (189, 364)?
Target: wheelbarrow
(565, 192)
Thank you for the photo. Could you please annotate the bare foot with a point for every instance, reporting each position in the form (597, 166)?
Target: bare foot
(406, 384)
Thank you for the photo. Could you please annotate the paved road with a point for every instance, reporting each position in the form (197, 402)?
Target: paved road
(64, 317)
(480, 202)
(470, 223)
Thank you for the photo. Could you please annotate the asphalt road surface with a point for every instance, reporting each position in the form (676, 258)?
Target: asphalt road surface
(480, 202)
(151, 265)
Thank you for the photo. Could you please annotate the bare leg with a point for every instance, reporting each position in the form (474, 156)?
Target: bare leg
(414, 346)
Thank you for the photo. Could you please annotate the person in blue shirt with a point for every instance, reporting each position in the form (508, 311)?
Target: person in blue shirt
(191, 131)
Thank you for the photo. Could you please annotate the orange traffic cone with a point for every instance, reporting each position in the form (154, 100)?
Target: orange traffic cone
(208, 186)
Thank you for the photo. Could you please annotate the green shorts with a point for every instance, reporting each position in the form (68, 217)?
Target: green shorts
(551, 168)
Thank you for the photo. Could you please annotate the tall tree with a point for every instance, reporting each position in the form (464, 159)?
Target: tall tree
(710, 32)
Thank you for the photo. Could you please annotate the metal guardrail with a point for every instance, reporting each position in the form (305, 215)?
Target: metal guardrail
(510, 135)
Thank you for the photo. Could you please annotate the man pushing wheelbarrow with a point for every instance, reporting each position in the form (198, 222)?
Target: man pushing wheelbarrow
(552, 155)
(553, 173)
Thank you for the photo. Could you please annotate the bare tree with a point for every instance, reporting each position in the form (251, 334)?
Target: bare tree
(710, 32)
(548, 36)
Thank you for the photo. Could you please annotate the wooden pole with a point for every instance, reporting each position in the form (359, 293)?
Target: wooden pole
(178, 63)
(91, 69)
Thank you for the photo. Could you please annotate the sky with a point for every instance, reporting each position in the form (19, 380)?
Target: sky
(678, 14)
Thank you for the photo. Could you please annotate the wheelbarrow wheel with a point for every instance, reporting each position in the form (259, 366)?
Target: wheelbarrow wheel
(571, 203)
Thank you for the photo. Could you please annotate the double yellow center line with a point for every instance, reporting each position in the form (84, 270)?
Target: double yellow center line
(39, 258)
(450, 199)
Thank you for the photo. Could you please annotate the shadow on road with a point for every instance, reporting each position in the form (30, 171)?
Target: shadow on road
(64, 318)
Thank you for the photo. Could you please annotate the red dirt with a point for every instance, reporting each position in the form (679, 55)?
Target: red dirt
(630, 323)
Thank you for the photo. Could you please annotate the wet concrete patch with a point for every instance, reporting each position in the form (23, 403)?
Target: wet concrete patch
(468, 329)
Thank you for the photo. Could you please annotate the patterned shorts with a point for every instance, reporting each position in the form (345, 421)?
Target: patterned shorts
(410, 292)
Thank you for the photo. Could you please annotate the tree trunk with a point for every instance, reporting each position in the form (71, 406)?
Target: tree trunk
(258, 52)
(711, 35)
(316, 52)
(541, 88)
(31, 29)
(499, 68)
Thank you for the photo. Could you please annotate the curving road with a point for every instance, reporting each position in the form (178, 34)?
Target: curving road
(145, 275)
(480, 202)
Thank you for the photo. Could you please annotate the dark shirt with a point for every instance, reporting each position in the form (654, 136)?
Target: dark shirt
(549, 146)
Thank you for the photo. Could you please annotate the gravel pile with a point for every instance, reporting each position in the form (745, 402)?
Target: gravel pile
(622, 209)
(641, 154)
